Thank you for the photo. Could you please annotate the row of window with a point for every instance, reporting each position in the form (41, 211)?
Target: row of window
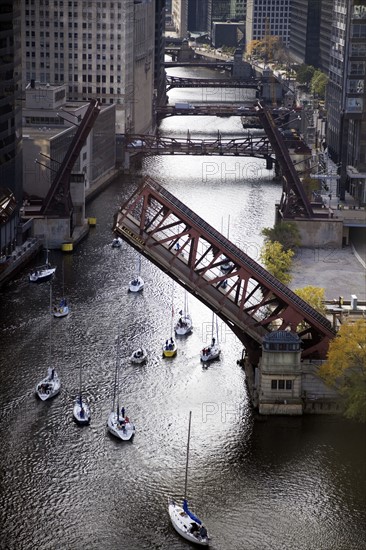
(281, 384)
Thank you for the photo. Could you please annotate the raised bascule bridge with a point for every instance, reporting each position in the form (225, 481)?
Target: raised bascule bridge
(246, 297)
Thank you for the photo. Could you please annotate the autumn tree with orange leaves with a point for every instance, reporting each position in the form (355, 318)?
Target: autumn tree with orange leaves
(345, 368)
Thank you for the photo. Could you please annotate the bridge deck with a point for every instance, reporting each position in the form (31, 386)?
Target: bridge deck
(252, 302)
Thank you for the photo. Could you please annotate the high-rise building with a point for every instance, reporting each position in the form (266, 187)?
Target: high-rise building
(180, 17)
(100, 49)
(304, 42)
(11, 191)
(345, 97)
(267, 17)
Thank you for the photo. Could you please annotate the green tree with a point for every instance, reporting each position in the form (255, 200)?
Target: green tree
(277, 260)
(286, 233)
(345, 368)
(304, 74)
(319, 83)
(314, 296)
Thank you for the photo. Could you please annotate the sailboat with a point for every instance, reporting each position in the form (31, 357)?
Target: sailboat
(50, 385)
(62, 309)
(139, 356)
(170, 346)
(117, 242)
(212, 351)
(137, 283)
(184, 324)
(118, 423)
(42, 273)
(81, 410)
(187, 524)
(227, 265)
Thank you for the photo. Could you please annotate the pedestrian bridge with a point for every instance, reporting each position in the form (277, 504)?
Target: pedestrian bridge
(243, 294)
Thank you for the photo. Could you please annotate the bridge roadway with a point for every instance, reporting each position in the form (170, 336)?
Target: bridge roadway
(245, 296)
(250, 146)
(179, 82)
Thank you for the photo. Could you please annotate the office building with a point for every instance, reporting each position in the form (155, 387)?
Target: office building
(100, 49)
(10, 125)
(267, 18)
(304, 41)
(345, 97)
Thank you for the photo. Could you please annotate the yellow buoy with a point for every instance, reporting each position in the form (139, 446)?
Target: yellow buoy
(67, 247)
(92, 221)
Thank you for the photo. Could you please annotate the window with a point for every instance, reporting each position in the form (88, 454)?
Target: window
(274, 384)
(281, 384)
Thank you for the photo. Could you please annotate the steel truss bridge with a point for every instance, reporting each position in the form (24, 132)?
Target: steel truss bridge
(250, 146)
(253, 302)
(177, 82)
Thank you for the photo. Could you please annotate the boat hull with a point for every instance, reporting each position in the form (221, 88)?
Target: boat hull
(137, 358)
(48, 388)
(210, 353)
(81, 418)
(170, 350)
(184, 326)
(115, 427)
(61, 311)
(182, 523)
(41, 275)
(136, 285)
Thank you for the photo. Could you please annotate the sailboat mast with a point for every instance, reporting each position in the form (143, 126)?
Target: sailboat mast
(80, 398)
(189, 436)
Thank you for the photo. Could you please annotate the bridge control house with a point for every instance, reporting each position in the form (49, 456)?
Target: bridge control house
(284, 384)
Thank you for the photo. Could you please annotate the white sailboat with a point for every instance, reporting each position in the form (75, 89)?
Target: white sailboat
(184, 325)
(170, 345)
(50, 385)
(139, 356)
(43, 272)
(187, 524)
(137, 283)
(62, 309)
(118, 423)
(81, 410)
(117, 242)
(227, 265)
(211, 352)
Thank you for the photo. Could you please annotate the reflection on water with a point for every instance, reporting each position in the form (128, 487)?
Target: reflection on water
(286, 484)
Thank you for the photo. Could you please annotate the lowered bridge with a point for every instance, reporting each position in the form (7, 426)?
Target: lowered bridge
(242, 293)
(250, 146)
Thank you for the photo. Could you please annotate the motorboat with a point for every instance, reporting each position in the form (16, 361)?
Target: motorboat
(139, 356)
(49, 386)
(184, 521)
(211, 352)
(118, 423)
(117, 242)
(137, 284)
(184, 325)
(81, 410)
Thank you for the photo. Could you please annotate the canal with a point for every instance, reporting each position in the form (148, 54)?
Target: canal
(276, 484)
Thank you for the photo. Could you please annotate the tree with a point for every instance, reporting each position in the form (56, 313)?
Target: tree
(319, 83)
(277, 260)
(286, 233)
(304, 74)
(314, 296)
(310, 185)
(345, 368)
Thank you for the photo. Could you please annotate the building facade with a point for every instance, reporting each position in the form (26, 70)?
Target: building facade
(180, 17)
(268, 17)
(98, 48)
(345, 97)
(11, 191)
(304, 42)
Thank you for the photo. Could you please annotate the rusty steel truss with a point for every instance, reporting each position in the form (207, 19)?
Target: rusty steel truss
(242, 293)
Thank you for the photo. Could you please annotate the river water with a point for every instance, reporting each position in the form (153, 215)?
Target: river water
(279, 484)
